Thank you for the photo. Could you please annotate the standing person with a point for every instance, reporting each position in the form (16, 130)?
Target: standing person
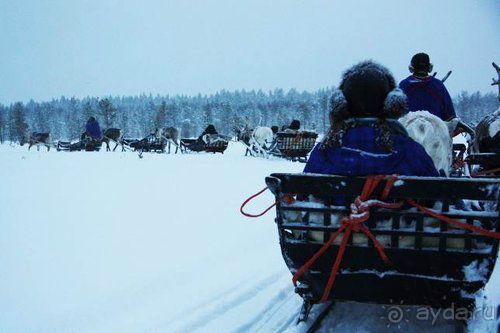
(365, 137)
(425, 92)
(93, 130)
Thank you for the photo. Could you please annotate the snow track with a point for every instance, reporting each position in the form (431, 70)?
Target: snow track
(278, 314)
(241, 299)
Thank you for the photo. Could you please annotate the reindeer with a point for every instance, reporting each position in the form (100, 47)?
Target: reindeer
(172, 135)
(487, 139)
(112, 134)
(38, 139)
(258, 140)
(434, 134)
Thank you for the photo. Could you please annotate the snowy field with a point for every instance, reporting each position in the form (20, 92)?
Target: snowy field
(108, 242)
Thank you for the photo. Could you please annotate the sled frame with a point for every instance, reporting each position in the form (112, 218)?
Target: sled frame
(417, 275)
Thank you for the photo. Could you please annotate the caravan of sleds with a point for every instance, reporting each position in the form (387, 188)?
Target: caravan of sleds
(160, 141)
(389, 239)
(290, 143)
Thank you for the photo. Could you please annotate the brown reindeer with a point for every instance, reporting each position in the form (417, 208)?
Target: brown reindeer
(112, 134)
(172, 135)
(38, 139)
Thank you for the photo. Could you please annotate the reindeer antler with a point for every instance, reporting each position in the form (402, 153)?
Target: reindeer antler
(497, 81)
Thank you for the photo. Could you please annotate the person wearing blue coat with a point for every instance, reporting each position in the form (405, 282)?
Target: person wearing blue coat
(425, 92)
(92, 129)
(365, 137)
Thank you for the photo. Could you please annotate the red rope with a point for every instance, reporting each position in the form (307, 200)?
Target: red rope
(287, 197)
(360, 213)
(457, 223)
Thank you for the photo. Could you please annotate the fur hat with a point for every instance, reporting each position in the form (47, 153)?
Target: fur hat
(420, 63)
(294, 125)
(367, 89)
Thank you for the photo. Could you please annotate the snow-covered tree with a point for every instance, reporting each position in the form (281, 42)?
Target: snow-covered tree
(18, 125)
(107, 112)
(3, 121)
(137, 116)
(161, 115)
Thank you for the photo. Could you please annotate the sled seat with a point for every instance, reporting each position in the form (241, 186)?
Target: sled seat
(432, 263)
(216, 146)
(88, 145)
(148, 144)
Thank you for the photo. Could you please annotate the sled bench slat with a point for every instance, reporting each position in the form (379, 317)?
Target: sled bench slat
(427, 188)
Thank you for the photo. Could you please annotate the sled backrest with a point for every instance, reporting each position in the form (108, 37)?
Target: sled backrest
(300, 141)
(400, 225)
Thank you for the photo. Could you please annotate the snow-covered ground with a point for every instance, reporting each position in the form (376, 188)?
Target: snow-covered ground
(108, 242)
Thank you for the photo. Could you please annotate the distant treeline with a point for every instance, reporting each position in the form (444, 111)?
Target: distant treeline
(138, 116)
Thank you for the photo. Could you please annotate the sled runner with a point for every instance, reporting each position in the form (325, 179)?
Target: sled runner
(294, 146)
(397, 255)
(218, 145)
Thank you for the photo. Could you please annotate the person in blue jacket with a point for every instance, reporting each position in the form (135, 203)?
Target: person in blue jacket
(425, 92)
(365, 137)
(92, 129)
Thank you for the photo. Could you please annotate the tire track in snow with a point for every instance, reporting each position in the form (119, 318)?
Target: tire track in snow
(214, 308)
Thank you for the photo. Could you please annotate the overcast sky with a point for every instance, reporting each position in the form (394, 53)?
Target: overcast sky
(103, 47)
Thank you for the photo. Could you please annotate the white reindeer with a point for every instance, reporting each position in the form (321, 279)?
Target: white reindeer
(259, 140)
(434, 134)
(262, 139)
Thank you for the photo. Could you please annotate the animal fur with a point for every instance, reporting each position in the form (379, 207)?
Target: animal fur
(39, 139)
(172, 135)
(262, 136)
(434, 135)
(258, 140)
(112, 134)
